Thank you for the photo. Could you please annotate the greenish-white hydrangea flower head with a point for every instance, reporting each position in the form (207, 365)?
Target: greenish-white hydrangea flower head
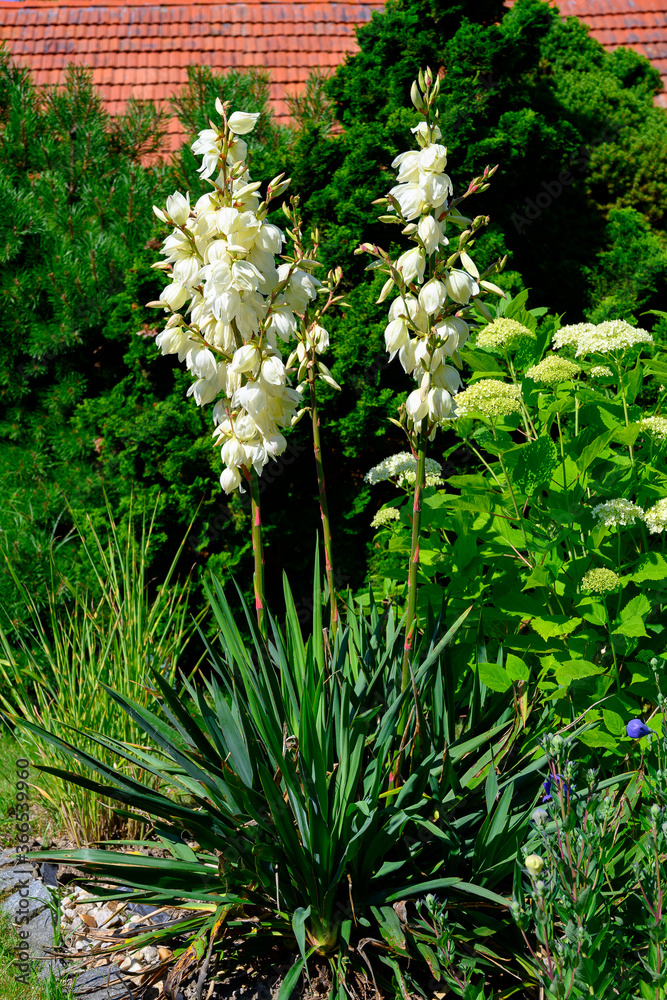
(503, 334)
(617, 512)
(611, 337)
(601, 581)
(655, 426)
(568, 336)
(384, 517)
(402, 468)
(221, 257)
(490, 397)
(553, 370)
(656, 517)
(600, 371)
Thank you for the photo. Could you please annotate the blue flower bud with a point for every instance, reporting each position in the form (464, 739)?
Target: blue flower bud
(549, 783)
(636, 729)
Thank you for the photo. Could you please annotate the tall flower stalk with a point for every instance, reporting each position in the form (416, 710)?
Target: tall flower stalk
(313, 340)
(435, 299)
(257, 550)
(229, 304)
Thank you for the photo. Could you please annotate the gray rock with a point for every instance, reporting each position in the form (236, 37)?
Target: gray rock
(102, 984)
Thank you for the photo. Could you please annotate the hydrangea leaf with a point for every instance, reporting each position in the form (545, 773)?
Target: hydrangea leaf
(631, 627)
(494, 677)
(533, 465)
(576, 670)
(599, 739)
(553, 625)
(517, 670)
(652, 567)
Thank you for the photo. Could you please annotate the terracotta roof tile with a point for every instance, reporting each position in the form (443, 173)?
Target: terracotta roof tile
(129, 44)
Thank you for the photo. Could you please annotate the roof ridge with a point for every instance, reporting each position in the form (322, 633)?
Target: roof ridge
(60, 4)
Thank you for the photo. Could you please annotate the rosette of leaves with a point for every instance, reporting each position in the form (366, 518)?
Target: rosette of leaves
(276, 805)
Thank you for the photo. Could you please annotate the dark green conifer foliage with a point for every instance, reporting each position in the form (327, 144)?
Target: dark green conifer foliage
(580, 203)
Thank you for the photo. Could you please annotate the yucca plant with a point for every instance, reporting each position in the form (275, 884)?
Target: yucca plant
(50, 673)
(271, 783)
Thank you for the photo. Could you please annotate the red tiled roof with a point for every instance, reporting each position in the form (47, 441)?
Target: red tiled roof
(635, 24)
(141, 48)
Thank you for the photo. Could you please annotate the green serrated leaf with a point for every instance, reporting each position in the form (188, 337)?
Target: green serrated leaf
(494, 677)
(575, 670)
(554, 625)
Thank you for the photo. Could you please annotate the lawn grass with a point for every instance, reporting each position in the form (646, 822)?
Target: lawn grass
(41, 823)
(49, 988)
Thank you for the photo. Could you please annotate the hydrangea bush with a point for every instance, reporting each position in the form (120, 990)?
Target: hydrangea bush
(558, 536)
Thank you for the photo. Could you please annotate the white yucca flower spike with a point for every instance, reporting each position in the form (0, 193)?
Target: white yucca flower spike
(222, 258)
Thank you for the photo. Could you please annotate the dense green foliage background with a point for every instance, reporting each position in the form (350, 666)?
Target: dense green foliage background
(87, 405)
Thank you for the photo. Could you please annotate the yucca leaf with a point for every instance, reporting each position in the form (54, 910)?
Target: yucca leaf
(410, 891)
(288, 984)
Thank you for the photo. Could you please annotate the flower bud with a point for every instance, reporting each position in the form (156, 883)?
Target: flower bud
(539, 816)
(430, 233)
(178, 208)
(636, 729)
(460, 286)
(432, 296)
(232, 453)
(173, 296)
(534, 865)
(416, 97)
(230, 480)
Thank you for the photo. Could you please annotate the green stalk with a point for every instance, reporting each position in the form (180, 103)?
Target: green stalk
(413, 569)
(631, 451)
(611, 643)
(565, 488)
(258, 551)
(324, 506)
